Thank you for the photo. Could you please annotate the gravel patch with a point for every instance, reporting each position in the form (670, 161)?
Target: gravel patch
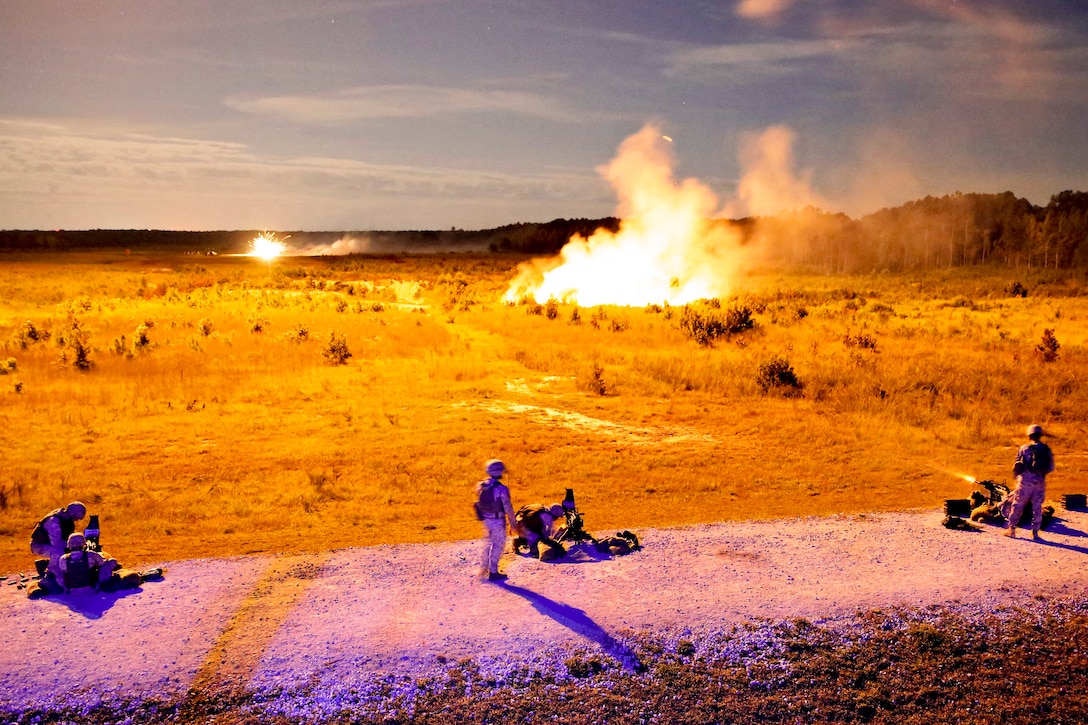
(366, 631)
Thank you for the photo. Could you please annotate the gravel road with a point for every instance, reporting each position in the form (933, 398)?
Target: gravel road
(338, 622)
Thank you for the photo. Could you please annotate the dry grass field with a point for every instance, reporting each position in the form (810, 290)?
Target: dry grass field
(206, 406)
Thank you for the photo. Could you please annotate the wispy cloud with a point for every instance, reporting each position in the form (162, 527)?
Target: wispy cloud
(755, 58)
(934, 51)
(64, 170)
(402, 101)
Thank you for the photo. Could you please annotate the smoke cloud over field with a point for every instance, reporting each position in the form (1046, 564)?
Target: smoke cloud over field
(770, 184)
(316, 244)
(672, 244)
(343, 245)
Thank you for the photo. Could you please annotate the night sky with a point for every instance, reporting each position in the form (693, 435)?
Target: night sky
(432, 114)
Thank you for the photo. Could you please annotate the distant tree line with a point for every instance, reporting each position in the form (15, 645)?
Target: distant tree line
(68, 240)
(950, 231)
(530, 238)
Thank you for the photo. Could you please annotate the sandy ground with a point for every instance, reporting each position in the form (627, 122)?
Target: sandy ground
(362, 614)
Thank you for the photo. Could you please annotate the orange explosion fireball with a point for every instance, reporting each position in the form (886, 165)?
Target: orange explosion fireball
(667, 249)
(267, 246)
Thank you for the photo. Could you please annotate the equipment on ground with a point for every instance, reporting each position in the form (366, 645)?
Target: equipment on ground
(91, 534)
(575, 528)
(957, 508)
(1074, 501)
(993, 507)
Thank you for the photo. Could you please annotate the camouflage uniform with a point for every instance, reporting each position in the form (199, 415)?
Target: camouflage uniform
(496, 517)
(535, 524)
(81, 567)
(1031, 486)
(50, 536)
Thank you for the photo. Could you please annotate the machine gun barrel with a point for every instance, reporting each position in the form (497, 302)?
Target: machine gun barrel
(997, 491)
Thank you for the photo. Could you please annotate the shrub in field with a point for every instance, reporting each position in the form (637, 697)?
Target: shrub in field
(862, 340)
(336, 350)
(551, 309)
(75, 341)
(7, 366)
(738, 319)
(120, 347)
(206, 327)
(777, 373)
(299, 333)
(82, 304)
(141, 341)
(705, 328)
(1016, 290)
(534, 308)
(1047, 349)
(594, 382)
(28, 334)
(575, 317)
(257, 323)
(340, 305)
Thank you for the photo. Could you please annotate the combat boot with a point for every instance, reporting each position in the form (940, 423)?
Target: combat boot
(1011, 533)
(1035, 535)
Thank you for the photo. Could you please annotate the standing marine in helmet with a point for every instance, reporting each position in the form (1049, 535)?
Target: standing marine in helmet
(1034, 461)
(494, 509)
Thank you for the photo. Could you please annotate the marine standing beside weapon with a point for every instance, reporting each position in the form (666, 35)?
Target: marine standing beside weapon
(1034, 461)
(494, 509)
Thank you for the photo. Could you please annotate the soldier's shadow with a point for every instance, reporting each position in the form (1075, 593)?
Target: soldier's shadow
(1059, 545)
(1057, 526)
(577, 621)
(89, 603)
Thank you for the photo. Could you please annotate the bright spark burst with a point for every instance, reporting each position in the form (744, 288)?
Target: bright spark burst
(267, 246)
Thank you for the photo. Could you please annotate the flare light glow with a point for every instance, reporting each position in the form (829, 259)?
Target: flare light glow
(266, 246)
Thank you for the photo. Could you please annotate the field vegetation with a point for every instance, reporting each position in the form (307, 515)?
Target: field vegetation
(209, 406)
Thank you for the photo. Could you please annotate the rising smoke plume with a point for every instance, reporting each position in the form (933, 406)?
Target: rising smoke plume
(666, 248)
(671, 245)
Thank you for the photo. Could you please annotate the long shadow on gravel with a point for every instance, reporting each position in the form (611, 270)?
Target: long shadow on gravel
(1069, 547)
(578, 622)
(91, 605)
(1057, 527)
